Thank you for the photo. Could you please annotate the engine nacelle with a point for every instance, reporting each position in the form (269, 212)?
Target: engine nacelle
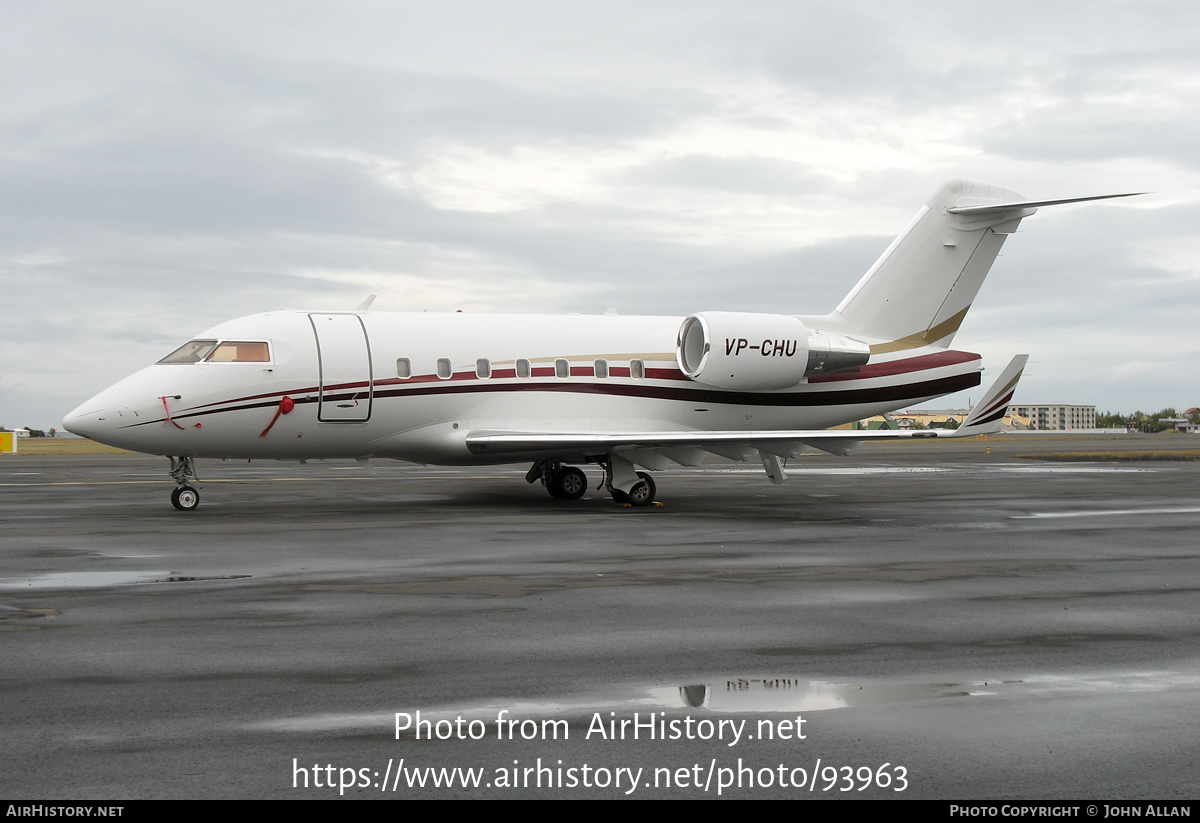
(755, 352)
(829, 352)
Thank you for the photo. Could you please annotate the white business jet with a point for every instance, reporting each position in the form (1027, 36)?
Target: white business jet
(559, 392)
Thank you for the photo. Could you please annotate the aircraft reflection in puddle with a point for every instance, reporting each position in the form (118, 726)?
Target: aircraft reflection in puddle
(89, 580)
(767, 694)
(786, 694)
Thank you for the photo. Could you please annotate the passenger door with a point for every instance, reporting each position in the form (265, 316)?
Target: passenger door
(344, 360)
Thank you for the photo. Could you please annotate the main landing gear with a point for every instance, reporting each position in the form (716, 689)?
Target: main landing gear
(628, 487)
(563, 482)
(625, 484)
(185, 498)
(642, 493)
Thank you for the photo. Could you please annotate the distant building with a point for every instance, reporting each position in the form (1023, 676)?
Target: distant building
(1051, 417)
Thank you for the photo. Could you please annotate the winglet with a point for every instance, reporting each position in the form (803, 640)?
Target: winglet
(366, 304)
(985, 417)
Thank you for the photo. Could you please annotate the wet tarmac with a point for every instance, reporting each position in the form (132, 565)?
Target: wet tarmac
(928, 617)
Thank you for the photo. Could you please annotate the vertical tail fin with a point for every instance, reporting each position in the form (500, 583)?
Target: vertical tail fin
(918, 292)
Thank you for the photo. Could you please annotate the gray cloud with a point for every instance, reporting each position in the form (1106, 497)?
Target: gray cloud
(745, 175)
(163, 168)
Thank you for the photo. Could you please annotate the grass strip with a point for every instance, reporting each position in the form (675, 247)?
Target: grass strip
(1123, 456)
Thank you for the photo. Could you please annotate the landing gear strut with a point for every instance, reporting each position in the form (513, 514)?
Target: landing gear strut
(185, 498)
(563, 482)
(627, 486)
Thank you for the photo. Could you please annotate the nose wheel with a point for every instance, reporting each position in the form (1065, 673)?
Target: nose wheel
(185, 498)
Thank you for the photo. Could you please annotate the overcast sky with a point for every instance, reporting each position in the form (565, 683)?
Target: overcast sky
(168, 166)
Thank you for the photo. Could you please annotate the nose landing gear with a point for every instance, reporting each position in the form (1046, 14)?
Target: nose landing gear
(184, 497)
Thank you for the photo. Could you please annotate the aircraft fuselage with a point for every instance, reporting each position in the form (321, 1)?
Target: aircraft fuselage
(410, 386)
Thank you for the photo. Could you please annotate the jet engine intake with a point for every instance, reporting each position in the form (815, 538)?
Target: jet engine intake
(757, 352)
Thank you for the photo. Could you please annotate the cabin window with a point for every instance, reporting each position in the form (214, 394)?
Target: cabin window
(192, 351)
(601, 368)
(637, 369)
(562, 368)
(483, 368)
(403, 368)
(239, 351)
(444, 371)
(523, 369)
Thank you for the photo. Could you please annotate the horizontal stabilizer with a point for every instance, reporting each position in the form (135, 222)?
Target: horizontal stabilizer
(995, 208)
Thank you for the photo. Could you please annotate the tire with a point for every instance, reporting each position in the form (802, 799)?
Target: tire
(642, 493)
(185, 498)
(570, 484)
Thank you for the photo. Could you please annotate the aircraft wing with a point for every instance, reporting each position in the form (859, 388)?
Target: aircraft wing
(984, 418)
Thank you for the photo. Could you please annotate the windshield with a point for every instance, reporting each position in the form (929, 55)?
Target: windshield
(229, 351)
(192, 351)
(240, 351)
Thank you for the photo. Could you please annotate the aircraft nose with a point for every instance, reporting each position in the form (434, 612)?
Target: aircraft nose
(84, 422)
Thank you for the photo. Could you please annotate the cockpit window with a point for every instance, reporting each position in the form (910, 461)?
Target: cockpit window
(192, 351)
(236, 351)
(229, 351)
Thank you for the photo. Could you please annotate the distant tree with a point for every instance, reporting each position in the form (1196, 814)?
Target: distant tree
(1152, 423)
(1161, 424)
(35, 432)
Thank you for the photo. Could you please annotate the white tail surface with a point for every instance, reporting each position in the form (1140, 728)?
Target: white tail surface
(918, 292)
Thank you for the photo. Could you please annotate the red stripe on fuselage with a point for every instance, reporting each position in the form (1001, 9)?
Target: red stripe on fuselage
(877, 370)
(910, 364)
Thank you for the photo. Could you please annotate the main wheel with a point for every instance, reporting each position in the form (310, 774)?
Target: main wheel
(570, 484)
(642, 493)
(553, 486)
(185, 498)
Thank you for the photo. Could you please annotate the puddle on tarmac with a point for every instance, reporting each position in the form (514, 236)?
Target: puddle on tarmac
(784, 694)
(740, 695)
(91, 580)
(1106, 513)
